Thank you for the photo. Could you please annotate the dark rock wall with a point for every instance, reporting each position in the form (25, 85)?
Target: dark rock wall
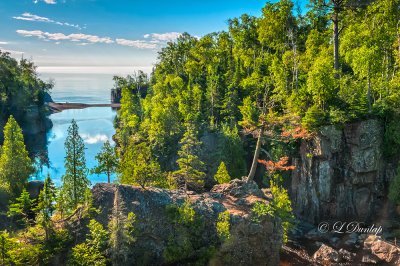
(251, 243)
(342, 174)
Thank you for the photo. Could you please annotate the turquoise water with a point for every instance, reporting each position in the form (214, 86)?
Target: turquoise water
(95, 127)
(95, 123)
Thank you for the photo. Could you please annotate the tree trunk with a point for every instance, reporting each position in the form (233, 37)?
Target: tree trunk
(256, 155)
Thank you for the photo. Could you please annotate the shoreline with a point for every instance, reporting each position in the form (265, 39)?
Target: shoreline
(59, 107)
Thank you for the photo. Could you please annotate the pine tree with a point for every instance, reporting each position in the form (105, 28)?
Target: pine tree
(107, 161)
(5, 246)
(22, 206)
(46, 205)
(137, 166)
(222, 175)
(74, 180)
(191, 167)
(15, 165)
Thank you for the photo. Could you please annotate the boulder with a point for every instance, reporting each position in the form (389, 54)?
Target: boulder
(382, 250)
(327, 254)
(250, 243)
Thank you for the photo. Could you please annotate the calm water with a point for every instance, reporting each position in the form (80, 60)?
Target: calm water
(95, 124)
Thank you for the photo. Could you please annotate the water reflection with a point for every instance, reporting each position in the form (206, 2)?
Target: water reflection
(95, 127)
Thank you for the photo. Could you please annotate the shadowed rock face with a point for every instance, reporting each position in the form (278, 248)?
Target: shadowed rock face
(250, 243)
(341, 174)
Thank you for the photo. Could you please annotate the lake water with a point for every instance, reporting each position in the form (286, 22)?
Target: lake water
(95, 124)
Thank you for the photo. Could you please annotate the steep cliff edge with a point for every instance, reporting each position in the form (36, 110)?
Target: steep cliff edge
(250, 243)
(342, 174)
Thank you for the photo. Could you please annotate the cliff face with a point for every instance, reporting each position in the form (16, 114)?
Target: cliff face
(342, 174)
(250, 243)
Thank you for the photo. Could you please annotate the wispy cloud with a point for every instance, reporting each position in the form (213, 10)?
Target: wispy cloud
(89, 139)
(152, 41)
(1, 43)
(32, 17)
(75, 37)
(137, 43)
(46, 1)
(166, 37)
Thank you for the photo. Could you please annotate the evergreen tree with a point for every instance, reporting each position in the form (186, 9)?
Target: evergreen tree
(74, 180)
(222, 175)
(5, 246)
(92, 251)
(191, 167)
(46, 205)
(138, 167)
(22, 206)
(106, 161)
(15, 165)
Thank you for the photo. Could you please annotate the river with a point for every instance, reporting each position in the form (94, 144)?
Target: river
(95, 123)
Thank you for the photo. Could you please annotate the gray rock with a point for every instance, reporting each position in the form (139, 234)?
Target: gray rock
(250, 243)
(340, 174)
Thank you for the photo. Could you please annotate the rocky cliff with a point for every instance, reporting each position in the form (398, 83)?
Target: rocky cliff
(342, 174)
(250, 243)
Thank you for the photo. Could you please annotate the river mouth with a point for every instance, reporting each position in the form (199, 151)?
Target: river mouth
(95, 127)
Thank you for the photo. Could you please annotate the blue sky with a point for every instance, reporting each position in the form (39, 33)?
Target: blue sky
(105, 33)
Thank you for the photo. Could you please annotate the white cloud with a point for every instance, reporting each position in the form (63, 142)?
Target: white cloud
(50, 2)
(138, 44)
(94, 139)
(31, 17)
(75, 37)
(167, 37)
(146, 36)
(3, 43)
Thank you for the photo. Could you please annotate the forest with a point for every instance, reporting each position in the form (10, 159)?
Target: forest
(230, 105)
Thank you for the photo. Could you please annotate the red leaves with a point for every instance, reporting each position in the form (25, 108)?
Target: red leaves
(278, 166)
(297, 133)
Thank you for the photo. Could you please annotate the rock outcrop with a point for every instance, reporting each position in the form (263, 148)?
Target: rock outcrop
(341, 174)
(250, 243)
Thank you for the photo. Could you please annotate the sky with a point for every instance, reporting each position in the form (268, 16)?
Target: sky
(108, 34)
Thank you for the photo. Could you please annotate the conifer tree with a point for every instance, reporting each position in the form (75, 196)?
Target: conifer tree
(138, 167)
(15, 165)
(106, 161)
(22, 206)
(46, 205)
(222, 175)
(75, 181)
(5, 246)
(191, 167)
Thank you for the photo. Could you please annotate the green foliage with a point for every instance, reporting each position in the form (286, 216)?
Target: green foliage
(191, 167)
(91, 252)
(15, 165)
(394, 189)
(20, 87)
(314, 118)
(260, 210)
(282, 207)
(22, 206)
(185, 243)
(86, 255)
(391, 140)
(223, 225)
(6, 245)
(222, 175)
(46, 205)
(138, 167)
(74, 180)
(107, 161)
